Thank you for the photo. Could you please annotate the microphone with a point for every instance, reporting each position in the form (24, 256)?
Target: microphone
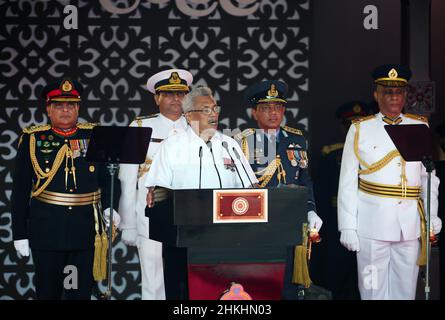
(239, 159)
(209, 145)
(200, 165)
(225, 146)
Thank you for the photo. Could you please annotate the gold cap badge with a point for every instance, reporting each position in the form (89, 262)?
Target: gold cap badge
(273, 92)
(174, 79)
(67, 86)
(392, 74)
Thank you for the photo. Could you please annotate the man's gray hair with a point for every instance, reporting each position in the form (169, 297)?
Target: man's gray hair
(188, 103)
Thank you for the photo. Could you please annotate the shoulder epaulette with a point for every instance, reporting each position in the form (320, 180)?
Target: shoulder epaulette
(293, 130)
(154, 115)
(86, 125)
(138, 120)
(32, 129)
(244, 134)
(330, 148)
(361, 119)
(416, 117)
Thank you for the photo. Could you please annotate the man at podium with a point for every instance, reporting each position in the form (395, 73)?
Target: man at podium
(380, 195)
(199, 158)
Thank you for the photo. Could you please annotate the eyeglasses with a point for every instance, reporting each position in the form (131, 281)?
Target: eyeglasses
(275, 107)
(208, 110)
(171, 94)
(61, 107)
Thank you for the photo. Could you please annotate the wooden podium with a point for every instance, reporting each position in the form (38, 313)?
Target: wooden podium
(251, 253)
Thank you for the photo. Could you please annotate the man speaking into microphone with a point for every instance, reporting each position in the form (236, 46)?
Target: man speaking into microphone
(198, 158)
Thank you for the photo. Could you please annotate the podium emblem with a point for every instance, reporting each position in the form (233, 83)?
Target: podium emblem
(240, 205)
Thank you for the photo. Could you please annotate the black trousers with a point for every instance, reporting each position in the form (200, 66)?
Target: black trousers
(175, 273)
(67, 274)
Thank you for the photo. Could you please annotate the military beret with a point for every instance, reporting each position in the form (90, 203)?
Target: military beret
(64, 90)
(266, 91)
(170, 80)
(392, 75)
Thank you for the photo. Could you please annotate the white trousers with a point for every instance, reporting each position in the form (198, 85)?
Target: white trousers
(152, 270)
(387, 270)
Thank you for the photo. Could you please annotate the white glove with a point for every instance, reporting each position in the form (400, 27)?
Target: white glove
(22, 247)
(436, 225)
(116, 217)
(314, 220)
(349, 239)
(129, 236)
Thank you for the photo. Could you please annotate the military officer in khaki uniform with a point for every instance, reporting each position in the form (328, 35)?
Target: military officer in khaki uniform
(57, 199)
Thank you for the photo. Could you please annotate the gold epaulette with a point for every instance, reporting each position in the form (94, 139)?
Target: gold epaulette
(139, 119)
(32, 129)
(293, 130)
(330, 148)
(154, 115)
(86, 125)
(244, 134)
(416, 117)
(361, 119)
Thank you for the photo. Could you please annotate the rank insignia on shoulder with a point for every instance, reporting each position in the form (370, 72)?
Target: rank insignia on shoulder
(38, 128)
(416, 117)
(361, 119)
(87, 125)
(293, 130)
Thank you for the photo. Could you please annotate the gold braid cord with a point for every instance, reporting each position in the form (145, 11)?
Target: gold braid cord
(245, 148)
(376, 166)
(268, 172)
(38, 170)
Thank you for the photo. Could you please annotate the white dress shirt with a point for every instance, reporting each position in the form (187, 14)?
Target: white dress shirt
(177, 164)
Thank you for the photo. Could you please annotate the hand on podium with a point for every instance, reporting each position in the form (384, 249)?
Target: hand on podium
(22, 247)
(129, 236)
(349, 239)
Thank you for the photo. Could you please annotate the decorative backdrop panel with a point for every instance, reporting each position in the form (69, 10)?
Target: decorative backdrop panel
(226, 44)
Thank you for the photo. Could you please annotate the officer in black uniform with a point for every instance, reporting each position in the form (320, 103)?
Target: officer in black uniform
(57, 200)
(278, 155)
(336, 267)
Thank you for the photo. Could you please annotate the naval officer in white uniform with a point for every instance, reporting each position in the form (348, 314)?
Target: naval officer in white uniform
(169, 88)
(379, 197)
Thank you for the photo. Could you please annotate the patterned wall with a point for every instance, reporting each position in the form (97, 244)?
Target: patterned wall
(226, 44)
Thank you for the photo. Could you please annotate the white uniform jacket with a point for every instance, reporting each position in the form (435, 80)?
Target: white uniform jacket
(377, 217)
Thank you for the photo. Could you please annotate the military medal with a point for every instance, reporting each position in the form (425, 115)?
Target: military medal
(50, 137)
(291, 155)
(83, 145)
(75, 147)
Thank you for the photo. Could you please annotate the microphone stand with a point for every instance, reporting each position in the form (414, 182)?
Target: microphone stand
(112, 169)
(429, 166)
(224, 144)
(242, 165)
